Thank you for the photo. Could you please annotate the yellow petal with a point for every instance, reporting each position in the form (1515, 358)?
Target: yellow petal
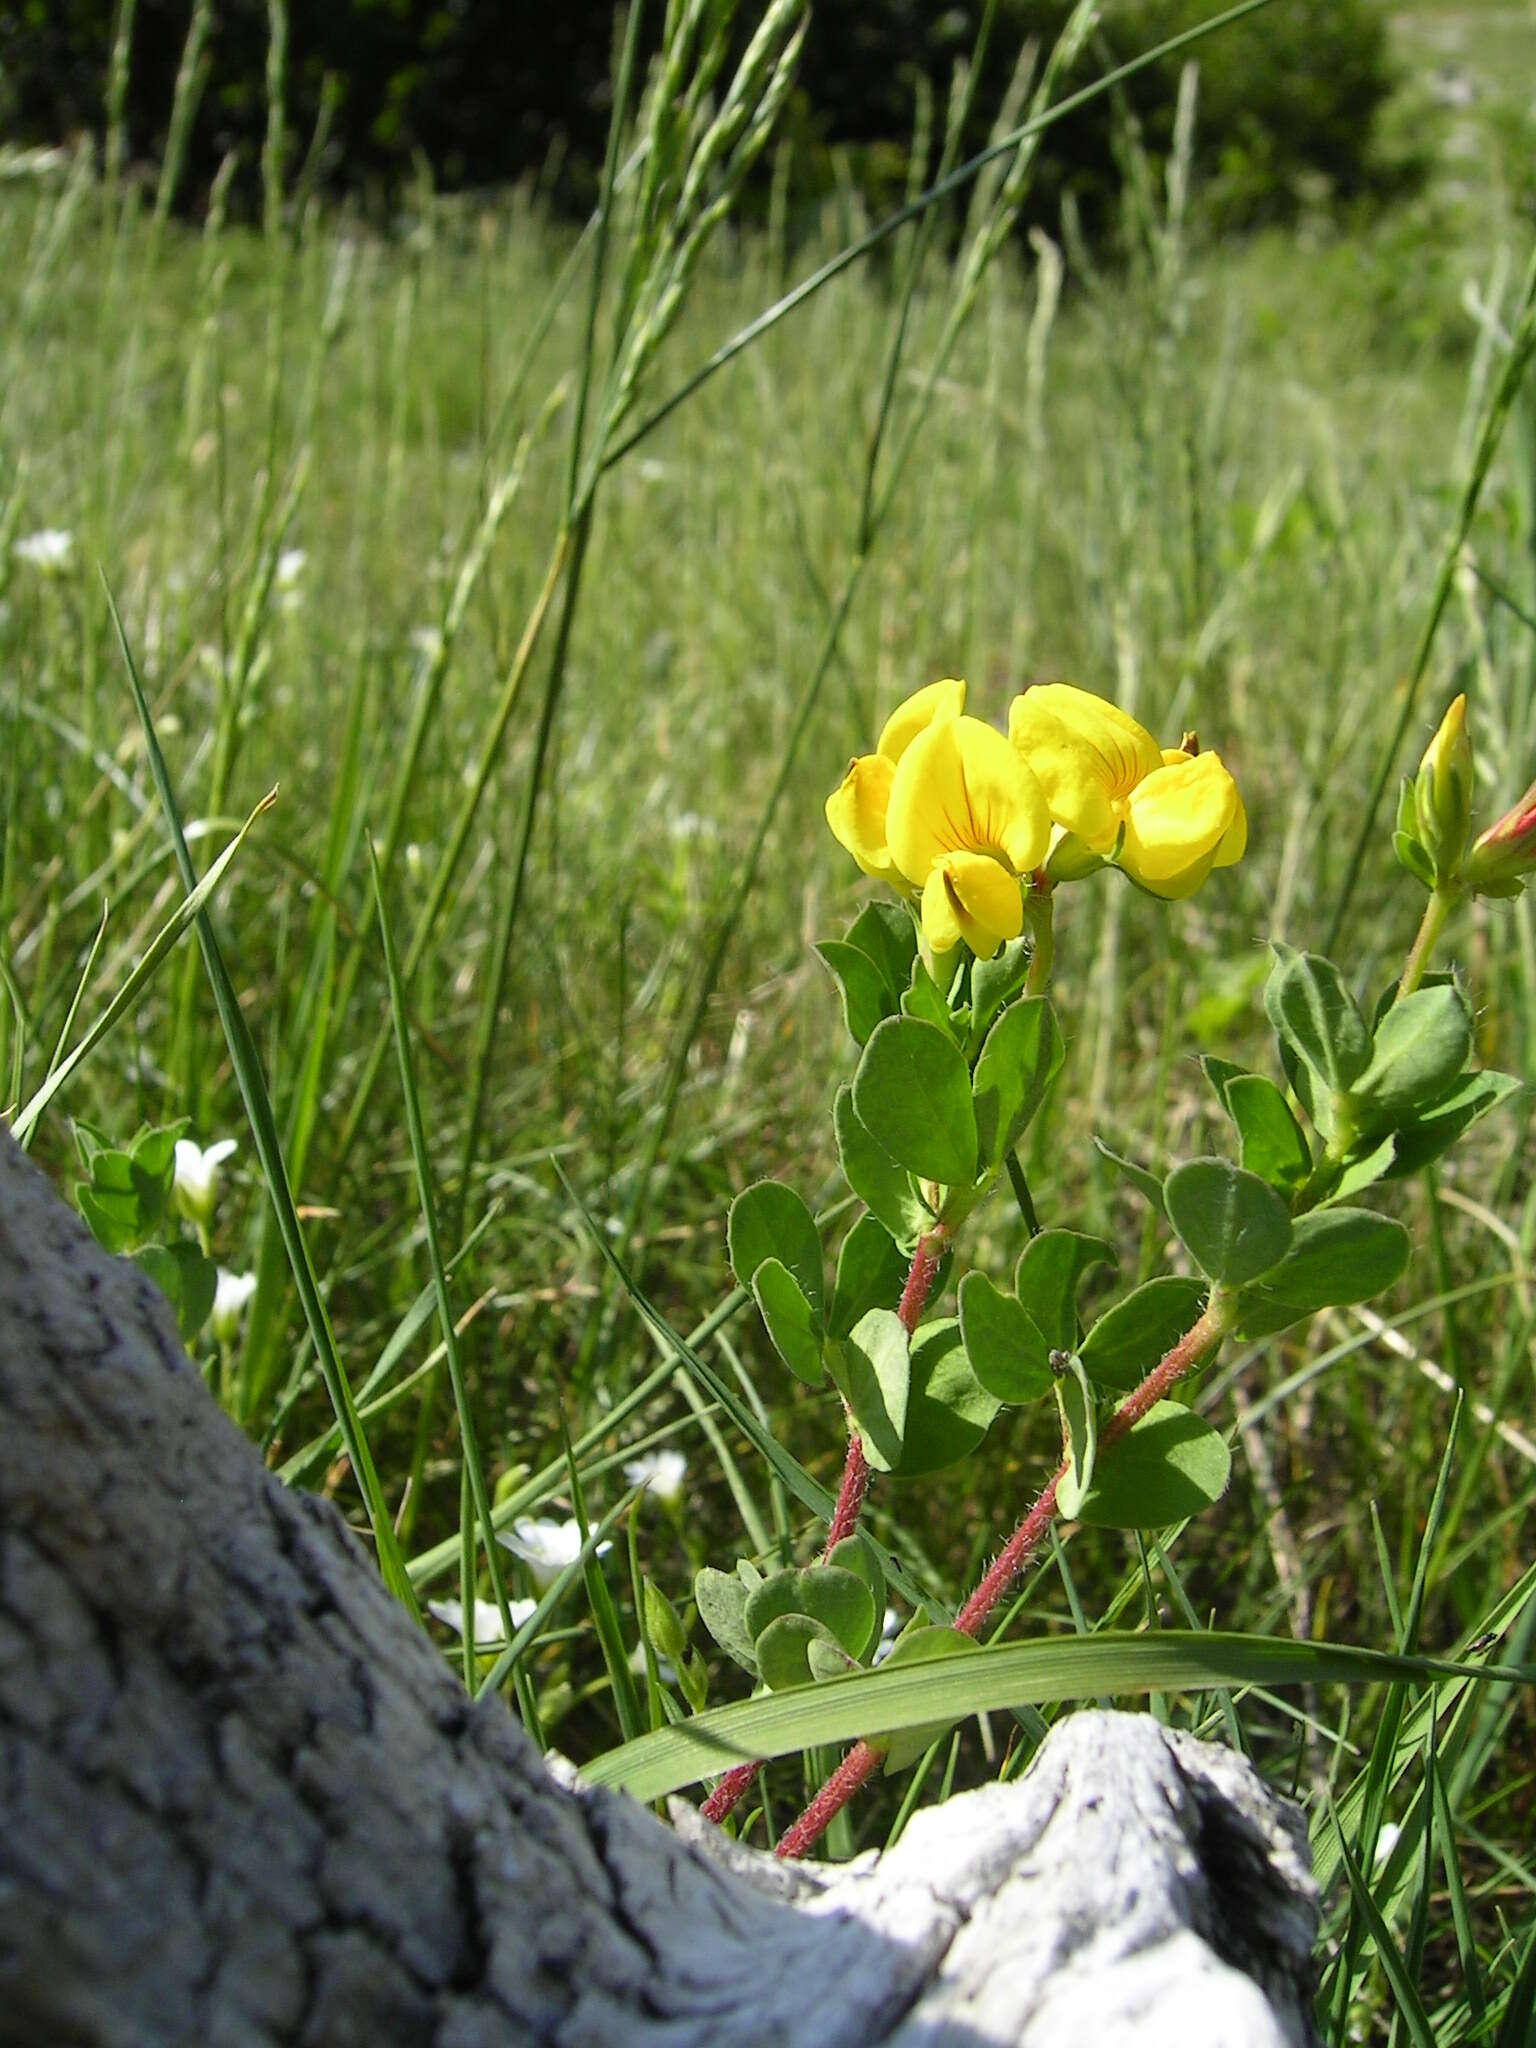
(856, 812)
(1121, 750)
(970, 896)
(960, 787)
(1234, 841)
(944, 699)
(1176, 821)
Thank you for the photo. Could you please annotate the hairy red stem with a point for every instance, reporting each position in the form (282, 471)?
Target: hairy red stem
(926, 1260)
(860, 1764)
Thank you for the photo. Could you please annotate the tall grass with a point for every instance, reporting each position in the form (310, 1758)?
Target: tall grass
(383, 534)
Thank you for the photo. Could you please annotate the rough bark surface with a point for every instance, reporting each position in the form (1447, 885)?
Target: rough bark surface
(245, 1802)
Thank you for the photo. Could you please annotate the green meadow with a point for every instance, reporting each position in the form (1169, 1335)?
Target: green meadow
(374, 547)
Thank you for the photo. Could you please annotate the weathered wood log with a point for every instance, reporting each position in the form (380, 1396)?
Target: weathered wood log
(245, 1802)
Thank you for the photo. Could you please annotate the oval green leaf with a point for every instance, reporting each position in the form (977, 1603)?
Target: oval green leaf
(1129, 1339)
(1020, 1059)
(1172, 1465)
(881, 1185)
(791, 1321)
(769, 1221)
(913, 1092)
(1050, 1270)
(1233, 1225)
(1007, 1352)
(1422, 1044)
(1314, 1014)
(948, 1409)
(1336, 1256)
(871, 1273)
(872, 1371)
(840, 1600)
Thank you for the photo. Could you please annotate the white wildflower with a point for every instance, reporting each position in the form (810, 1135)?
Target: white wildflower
(659, 1472)
(546, 1547)
(488, 1630)
(50, 549)
(231, 1293)
(290, 567)
(1386, 1841)
(890, 1628)
(197, 1176)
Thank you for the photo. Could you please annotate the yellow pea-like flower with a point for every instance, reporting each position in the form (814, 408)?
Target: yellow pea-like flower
(1166, 816)
(965, 819)
(856, 809)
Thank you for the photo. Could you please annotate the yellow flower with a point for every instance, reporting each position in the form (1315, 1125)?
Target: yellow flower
(966, 817)
(856, 808)
(1166, 816)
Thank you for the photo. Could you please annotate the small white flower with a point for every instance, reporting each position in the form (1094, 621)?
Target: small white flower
(197, 1176)
(415, 862)
(290, 567)
(230, 1294)
(488, 1635)
(891, 1627)
(1386, 1841)
(427, 641)
(49, 549)
(659, 1472)
(546, 1547)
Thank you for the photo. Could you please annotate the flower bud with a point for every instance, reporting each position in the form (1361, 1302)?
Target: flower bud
(1506, 853)
(1442, 795)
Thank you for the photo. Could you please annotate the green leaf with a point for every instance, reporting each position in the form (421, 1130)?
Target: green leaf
(840, 1600)
(871, 1273)
(1272, 1143)
(880, 1184)
(792, 1323)
(1020, 1059)
(948, 1409)
(783, 1650)
(1422, 1044)
(1009, 1356)
(1336, 1256)
(856, 1553)
(1317, 1018)
(185, 1278)
(1080, 1434)
(1141, 1179)
(995, 982)
(828, 1659)
(872, 1371)
(925, 1000)
(721, 1598)
(913, 1091)
(1364, 1168)
(1050, 1270)
(769, 1221)
(866, 997)
(112, 1213)
(1171, 1465)
(1220, 1073)
(884, 933)
(1233, 1225)
(911, 1693)
(920, 1646)
(1420, 1142)
(1129, 1339)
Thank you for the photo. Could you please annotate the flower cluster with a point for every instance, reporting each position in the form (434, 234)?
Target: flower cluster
(953, 814)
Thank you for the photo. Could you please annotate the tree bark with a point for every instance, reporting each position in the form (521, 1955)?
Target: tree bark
(245, 1801)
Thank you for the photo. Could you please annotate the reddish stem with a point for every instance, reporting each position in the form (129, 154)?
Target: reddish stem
(859, 1765)
(926, 1260)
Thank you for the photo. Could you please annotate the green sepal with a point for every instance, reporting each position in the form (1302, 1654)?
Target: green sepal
(1079, 1433)
(948, 1409)
(913, 1091)
(871, 1368)
(1169, 1466)
(1336, 1256)
(1233, 1224)
(791, 1321)
(1046, 1279)
(881, 1185)
(1008, 1355)
(1132, 1336)
(769, 1221)
(1022, 1055)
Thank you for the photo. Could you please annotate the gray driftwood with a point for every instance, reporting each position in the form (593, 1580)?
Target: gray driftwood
(245, 1802)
